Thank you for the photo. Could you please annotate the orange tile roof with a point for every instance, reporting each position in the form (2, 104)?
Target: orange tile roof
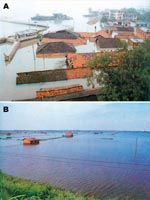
(78, 60)
(88, 35)
(125, 35)
(103, 33)
(78, 41)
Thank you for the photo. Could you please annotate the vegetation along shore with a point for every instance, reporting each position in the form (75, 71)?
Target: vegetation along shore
(13, 188)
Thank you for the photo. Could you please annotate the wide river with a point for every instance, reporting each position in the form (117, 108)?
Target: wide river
(102, 163)
(23, 60)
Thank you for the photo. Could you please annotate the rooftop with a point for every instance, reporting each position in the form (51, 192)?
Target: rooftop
(145, 29)
(125, 35)
(137, 40)
(62, 34)
(78, 60)
(123, 28)
(94, 34)
(55, 47)
(107, 42)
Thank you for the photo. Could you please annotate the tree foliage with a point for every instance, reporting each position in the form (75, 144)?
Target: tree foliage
(145, 16)
(130, 80)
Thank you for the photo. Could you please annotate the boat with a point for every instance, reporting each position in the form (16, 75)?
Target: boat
(69, 134)
(3, 40)
(8, 134)
(30, 141)
(96, 133)
(55, 16)
(92, 13)
(93, 21)
(8, 137)
(26, 34)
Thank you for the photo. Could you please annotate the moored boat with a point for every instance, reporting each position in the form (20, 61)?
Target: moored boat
(55, 16)
(27, 34)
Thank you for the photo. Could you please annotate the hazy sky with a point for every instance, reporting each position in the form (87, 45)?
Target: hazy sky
(73, 7)
(85, 116)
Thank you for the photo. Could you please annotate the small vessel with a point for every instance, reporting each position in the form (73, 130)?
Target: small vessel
(69, 134)
(27, 34)
(8, 134)
(92, 13)
(3, 40)
(30, 141)
(8, 137)
(55, 16)
(93, 21)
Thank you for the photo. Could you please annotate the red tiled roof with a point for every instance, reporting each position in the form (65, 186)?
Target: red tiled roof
(78, 60)
(94, 34)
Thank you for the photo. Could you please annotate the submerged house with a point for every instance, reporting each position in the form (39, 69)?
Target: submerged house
(143, 32)
(107, 44)
(69, 134)
(54, 49)
(30, 141)
(64, 36)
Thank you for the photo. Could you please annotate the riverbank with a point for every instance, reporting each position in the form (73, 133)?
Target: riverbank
(13, 188)
(20, 189)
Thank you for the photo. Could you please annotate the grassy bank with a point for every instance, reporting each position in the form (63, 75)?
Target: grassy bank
(13, 188)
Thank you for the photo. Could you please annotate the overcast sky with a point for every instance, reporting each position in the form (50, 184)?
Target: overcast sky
(73, 7)
(83, 116)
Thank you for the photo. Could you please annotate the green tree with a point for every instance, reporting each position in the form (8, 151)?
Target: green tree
(145, 16)
(130, 80)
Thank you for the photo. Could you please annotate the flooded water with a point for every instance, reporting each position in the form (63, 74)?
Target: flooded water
(102, 163)
(23, 60)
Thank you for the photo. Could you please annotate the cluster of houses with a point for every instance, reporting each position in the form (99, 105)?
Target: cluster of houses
(63, 43)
